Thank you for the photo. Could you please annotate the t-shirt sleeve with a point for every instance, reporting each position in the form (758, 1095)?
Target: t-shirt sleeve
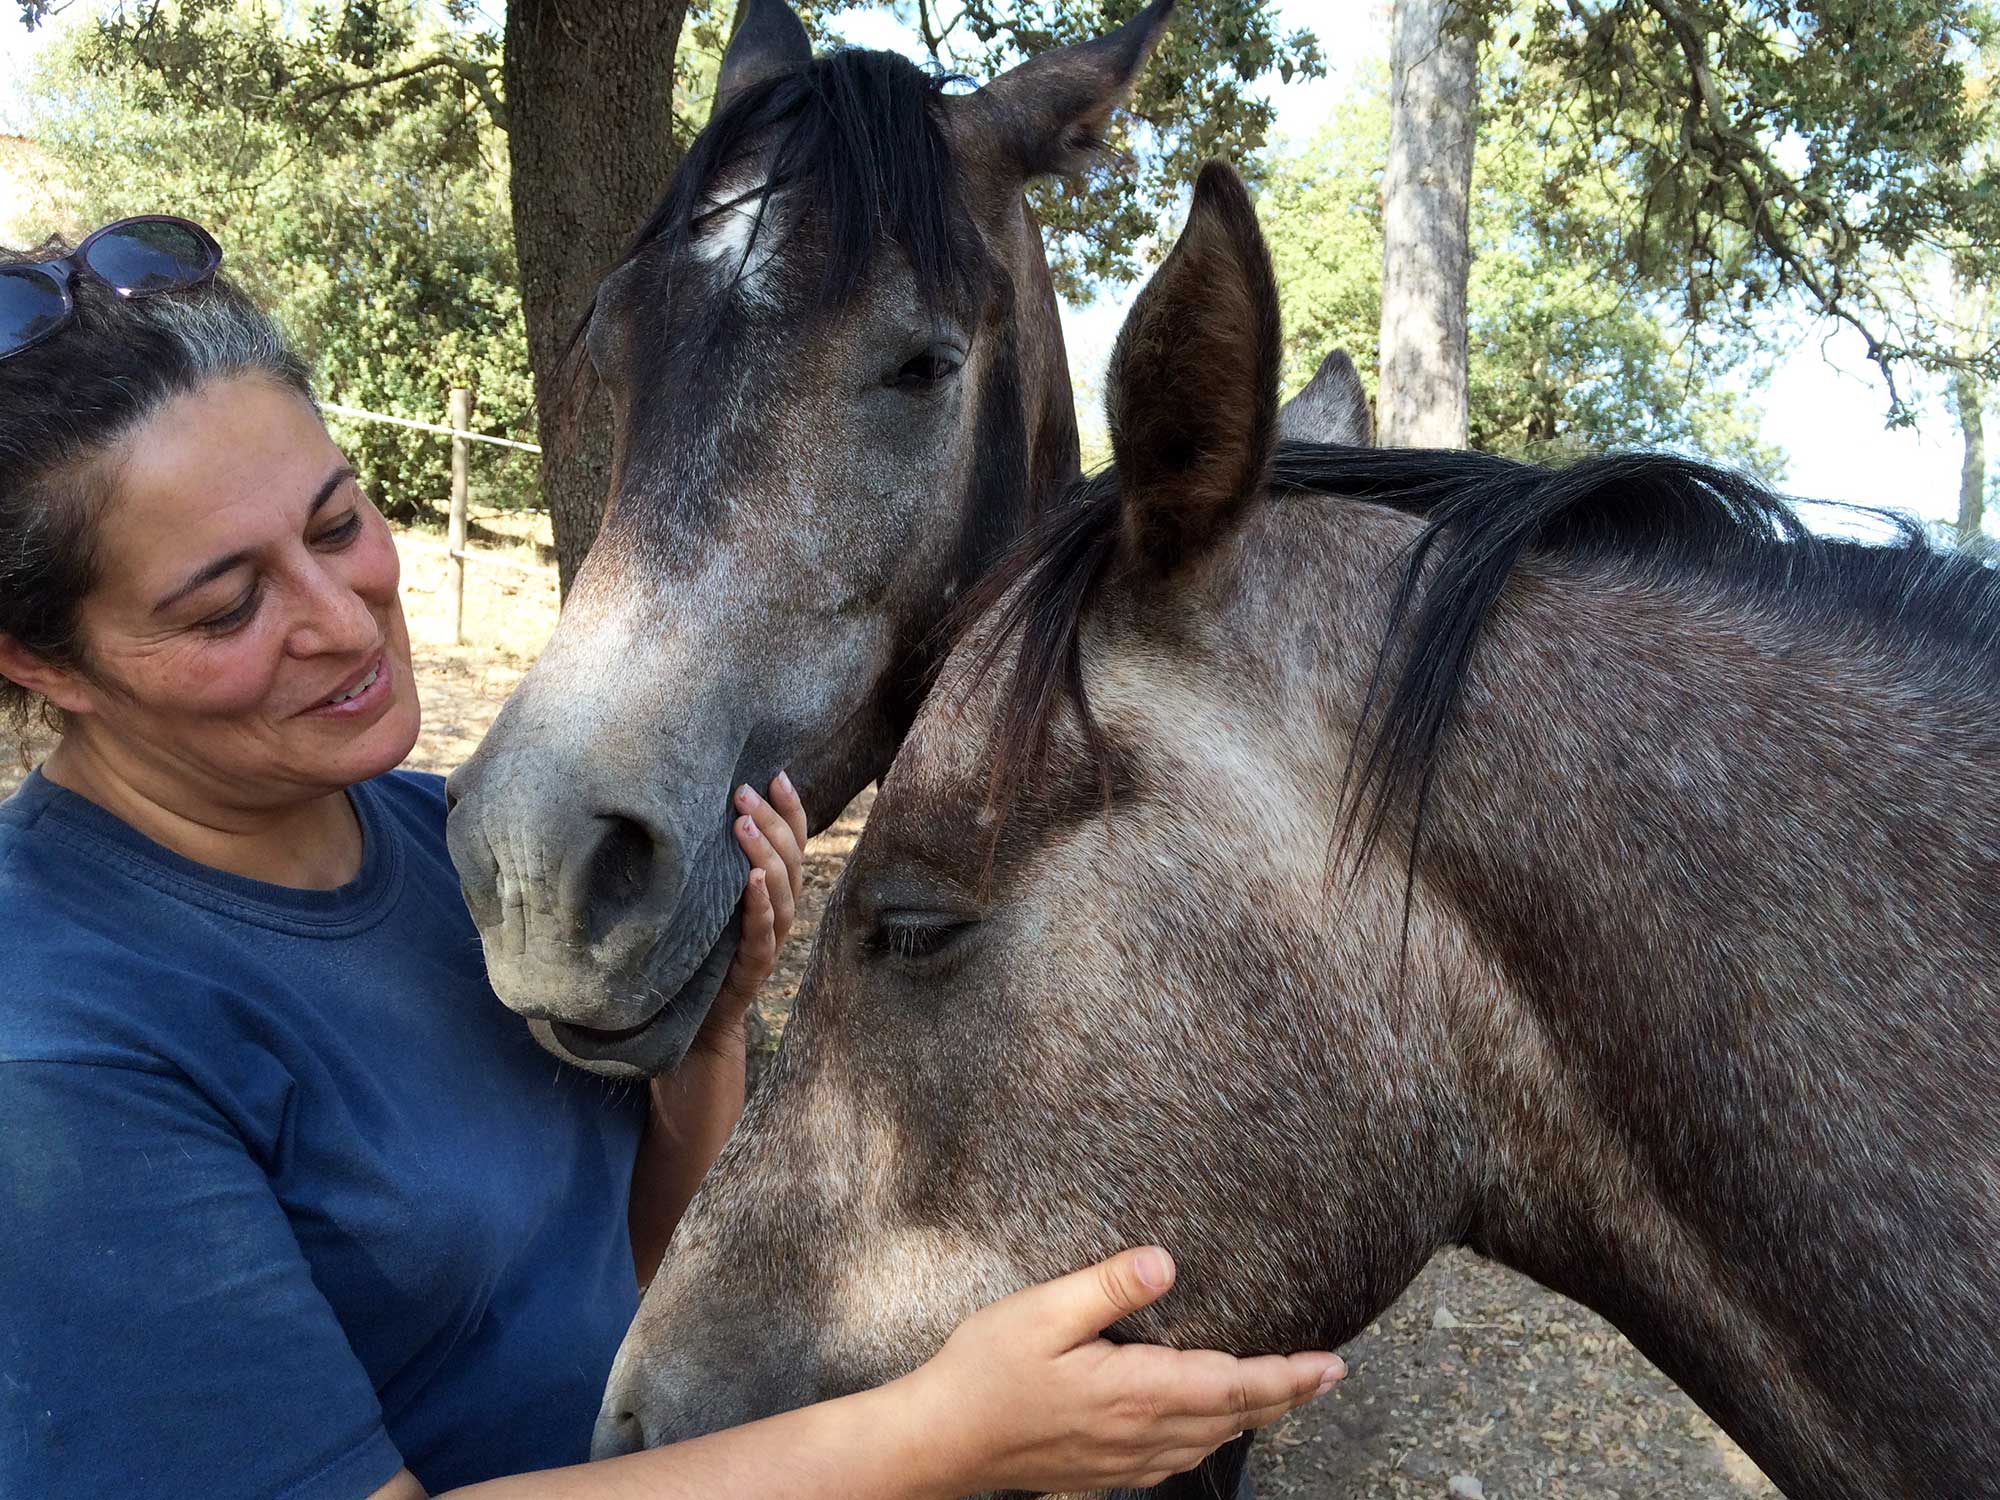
(160, 1331)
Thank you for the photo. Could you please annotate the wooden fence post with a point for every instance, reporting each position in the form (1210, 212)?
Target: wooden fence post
(459, 420)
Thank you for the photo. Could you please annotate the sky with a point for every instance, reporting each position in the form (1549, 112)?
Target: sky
(1824, 408)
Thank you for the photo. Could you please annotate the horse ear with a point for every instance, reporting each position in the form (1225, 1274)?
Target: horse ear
(768, 39)
(1193, 392)
(1049, 114)
(1331, 409)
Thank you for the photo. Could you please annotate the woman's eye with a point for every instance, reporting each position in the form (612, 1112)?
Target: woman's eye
(237, 614)
(930, 368)
(914, 937)
(340, 534)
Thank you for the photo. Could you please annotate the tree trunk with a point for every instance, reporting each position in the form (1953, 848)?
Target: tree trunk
(1968, 395)
(590, 96)
(1433, 98)
(1972, 311)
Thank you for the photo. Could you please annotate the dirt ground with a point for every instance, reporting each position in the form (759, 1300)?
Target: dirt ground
(1477, 1382)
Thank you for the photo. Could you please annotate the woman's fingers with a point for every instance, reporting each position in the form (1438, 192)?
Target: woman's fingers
(1074, 1309)
(783, 837)
(759, 943)
(756, 955)
(785, 797)
(767, 842)
(1049, 1406)
(772, 837)
(1220, 1394)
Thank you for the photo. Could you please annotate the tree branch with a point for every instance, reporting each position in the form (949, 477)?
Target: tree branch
(1709, 134)
(478, 75)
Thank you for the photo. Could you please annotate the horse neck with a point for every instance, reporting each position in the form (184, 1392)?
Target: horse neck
(1740, 894)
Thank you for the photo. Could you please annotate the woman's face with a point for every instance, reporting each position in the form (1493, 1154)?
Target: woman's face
(245, 639)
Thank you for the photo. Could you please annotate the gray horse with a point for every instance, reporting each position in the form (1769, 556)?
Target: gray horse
(840, 393)
(1591, 867)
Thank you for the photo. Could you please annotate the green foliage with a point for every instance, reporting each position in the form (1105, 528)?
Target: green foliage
(1773, 153)
(1192, 102)
(380, 237)
(347, 67)
(1563, 359)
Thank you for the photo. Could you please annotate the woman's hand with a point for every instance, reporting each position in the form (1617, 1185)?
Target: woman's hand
(772, 834)
(1040, 1401)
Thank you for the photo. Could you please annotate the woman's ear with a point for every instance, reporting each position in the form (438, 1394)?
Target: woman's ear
(66, 689)
(1192, 399)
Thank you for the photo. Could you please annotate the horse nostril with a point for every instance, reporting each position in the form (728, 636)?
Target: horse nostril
(621, 868)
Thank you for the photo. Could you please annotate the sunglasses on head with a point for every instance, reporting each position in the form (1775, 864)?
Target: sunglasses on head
(140, 257)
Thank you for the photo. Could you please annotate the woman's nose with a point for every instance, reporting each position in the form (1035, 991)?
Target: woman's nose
(333, 619)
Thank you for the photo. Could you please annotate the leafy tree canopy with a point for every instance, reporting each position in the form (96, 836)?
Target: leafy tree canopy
(1802, 153)
(348, 69)
(381, 243)
(1564, 358)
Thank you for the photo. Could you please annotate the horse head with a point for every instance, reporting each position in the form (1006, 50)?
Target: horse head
(839, 392)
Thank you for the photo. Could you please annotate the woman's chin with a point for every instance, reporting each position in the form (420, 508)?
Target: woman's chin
(381, 746)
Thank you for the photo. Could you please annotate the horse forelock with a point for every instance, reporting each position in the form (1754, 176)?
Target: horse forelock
(853, 144)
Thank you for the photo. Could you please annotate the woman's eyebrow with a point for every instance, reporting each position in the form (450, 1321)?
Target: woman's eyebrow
(209, 572)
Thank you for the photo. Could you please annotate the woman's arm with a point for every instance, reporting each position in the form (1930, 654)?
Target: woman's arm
(694, 1108)
(1025, 1395)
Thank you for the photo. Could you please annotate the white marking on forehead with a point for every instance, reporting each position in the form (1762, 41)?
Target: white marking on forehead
(736, 213)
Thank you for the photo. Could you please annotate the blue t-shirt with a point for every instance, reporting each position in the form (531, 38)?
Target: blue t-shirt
(287, 1199)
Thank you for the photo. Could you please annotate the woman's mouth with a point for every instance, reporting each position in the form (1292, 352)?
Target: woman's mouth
(359, 695)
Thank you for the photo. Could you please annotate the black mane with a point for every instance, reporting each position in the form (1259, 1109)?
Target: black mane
(1651, 516)
(856, 142)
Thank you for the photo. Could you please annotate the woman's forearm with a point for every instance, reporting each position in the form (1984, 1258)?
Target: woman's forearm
(871, 1446)
(688, 1120)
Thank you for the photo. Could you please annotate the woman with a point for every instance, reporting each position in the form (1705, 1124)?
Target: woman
(295, 1209)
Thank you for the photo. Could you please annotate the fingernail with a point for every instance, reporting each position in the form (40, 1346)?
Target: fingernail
(757, 879)
(1332, 1376)
(745, 797)
(785, 781)
(749, 827)
(1153, 1268)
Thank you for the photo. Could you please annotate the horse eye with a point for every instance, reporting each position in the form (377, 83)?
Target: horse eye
(914, 934)
(936, 364)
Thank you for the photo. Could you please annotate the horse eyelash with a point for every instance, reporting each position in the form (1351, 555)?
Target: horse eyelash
(909, 939)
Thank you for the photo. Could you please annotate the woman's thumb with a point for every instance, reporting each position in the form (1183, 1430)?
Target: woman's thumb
(1089, 1301)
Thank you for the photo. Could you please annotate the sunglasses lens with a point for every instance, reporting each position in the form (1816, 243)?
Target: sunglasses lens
(153, 257)
(30, 305)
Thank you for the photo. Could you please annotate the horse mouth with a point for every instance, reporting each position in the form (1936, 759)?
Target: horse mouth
(600, 1036)
(657, 1044)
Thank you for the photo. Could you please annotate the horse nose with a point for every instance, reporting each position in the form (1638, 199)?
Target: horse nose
(618, 1433)
(623, 862)
(471, 849)
(539, 846)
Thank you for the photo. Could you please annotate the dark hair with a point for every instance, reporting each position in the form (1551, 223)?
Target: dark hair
(66, 403)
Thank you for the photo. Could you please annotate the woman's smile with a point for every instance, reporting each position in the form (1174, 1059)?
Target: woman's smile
(365, 692)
